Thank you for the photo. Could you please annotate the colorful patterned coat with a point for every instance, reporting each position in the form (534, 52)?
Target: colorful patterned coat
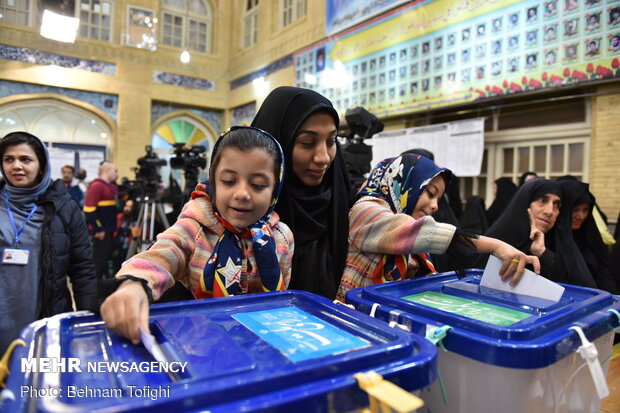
(181, 252)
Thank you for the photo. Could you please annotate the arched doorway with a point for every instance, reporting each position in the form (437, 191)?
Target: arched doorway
(181, 128)
(76, 133)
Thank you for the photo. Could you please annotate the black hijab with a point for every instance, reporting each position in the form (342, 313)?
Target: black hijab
(588, 237)
(513, 227)
(524, 175)
(474, 218)
(506, 189)
(318, 216)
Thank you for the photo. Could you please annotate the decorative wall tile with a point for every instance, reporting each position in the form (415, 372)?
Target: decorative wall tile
(270, 68)
(106, 102)
(180, 80)
(243, 115)
(22, 54)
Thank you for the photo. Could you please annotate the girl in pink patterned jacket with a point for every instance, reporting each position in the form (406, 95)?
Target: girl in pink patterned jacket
(391, 230)
(226, 241)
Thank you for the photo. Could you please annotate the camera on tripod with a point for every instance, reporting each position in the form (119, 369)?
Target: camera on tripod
(357, 154)
(129, 189)
(147, 173)
(190, 159)
(144, 191)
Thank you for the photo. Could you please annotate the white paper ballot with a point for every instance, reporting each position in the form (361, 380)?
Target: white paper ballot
(531, 283)
(152, 346)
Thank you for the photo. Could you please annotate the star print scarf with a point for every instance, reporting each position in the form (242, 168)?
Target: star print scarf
(222, 274)
(400, 182)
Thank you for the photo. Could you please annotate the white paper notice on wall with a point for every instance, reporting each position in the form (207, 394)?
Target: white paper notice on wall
(457, 145)
(531, 283)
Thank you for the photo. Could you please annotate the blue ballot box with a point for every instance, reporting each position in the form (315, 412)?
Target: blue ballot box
(503, 351)
(261, 352)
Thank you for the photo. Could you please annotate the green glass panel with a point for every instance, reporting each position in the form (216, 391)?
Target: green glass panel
(477, 310)
(177, 130)
(188, 131)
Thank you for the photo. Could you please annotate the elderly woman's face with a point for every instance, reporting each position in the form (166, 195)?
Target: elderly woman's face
(545, 211)
(315, 148)
(21, 166)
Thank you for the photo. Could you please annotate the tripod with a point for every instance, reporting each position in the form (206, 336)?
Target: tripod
(149, 209)
(191, 180)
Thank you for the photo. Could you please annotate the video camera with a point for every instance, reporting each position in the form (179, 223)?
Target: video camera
(147, 174)
(129, 189)
(190, 159)
(362, 123)
(357, 154)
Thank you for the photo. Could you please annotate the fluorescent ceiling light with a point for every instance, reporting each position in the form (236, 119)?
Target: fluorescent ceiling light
(58, 27)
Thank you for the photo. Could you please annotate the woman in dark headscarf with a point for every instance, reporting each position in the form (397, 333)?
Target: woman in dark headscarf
(526, 177)
(537, 222)
(314, 202)
(504, 190)
(588, 238)
(474, 218)
(43, 239)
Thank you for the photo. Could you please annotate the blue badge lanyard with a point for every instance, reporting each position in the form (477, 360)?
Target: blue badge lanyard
(12, 219)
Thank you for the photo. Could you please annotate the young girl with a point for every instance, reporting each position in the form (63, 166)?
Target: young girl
(391, 229)
(226, 241)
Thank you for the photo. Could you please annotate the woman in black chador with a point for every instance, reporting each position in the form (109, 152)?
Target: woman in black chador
(314, 201)
(504, 190)
(586, 234)
(537, 222)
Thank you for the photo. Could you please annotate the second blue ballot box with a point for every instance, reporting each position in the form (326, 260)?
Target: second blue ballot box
(503, 351)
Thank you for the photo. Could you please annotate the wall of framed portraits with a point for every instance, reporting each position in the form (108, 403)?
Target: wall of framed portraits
(439, 53)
